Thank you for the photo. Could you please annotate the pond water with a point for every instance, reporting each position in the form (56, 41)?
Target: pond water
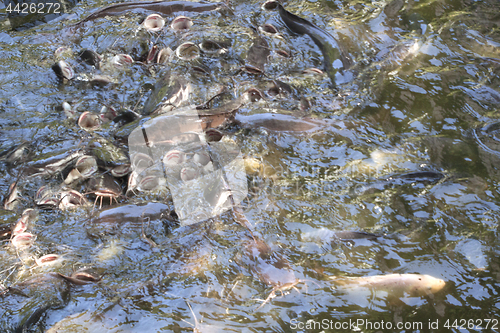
(406, 146)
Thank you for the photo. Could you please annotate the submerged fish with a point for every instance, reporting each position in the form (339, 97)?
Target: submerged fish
(269, 267)
(412, 284)
(336, 57)
(280, 122)
(257, 55)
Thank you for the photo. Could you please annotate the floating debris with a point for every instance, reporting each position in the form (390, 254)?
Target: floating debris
(253, 166)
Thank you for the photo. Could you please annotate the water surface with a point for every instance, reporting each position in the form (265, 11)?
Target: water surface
(423, 96)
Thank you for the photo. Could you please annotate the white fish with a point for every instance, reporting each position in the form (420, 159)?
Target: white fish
(413, 284)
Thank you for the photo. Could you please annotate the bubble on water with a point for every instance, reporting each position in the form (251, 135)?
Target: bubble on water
(377, 210)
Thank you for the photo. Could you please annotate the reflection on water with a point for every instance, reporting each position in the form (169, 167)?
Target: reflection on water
(407, 149)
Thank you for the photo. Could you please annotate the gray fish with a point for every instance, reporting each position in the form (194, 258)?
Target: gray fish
(280, 122)
(269, 267)
(163, 7)
(53, 163)
(257, 55)
(331, 49)
(427, 177)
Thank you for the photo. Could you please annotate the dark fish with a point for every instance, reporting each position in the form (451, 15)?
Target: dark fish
(63, 70)
(490, 128)
(276, 87)
(80, 278)
(348, 235)
(214, 47)
(90, 57)
(258, 54)
(420, 176)
(392, 9)
(280, 122)
(104, 186)
(133, 214)
(126, 116)
(163, 7)
(331, 49)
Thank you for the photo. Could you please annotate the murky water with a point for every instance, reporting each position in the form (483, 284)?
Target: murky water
(422, 97)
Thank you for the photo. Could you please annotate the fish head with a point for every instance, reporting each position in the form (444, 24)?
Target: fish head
(435, 285)
(428, 285)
